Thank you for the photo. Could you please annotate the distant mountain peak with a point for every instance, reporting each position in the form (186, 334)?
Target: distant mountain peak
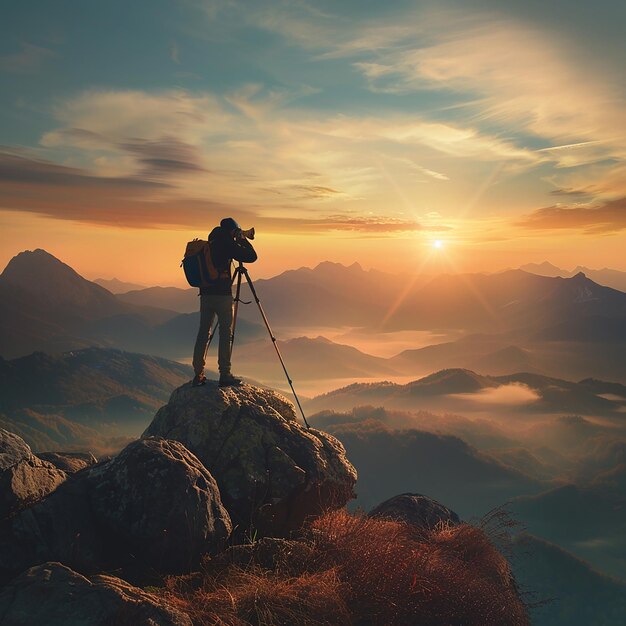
(29, 264)
(117, 286)
(543, 269)
(332, 265)
(57, 289)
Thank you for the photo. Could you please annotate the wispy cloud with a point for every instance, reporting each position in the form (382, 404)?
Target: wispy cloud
(17, 170)
(68, 193)
(605, 218)
(245, 149)
(371, 224)
(519, 73)
(505, 72)
(164, 157)
(27, 60)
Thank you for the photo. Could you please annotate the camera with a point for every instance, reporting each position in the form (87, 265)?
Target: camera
(247, 234)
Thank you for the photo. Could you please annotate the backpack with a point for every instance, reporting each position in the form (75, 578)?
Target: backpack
(198, 265)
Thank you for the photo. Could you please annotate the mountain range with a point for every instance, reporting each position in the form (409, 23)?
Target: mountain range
(335, 295)
(45, 305)
(605, 276)
(512, 322)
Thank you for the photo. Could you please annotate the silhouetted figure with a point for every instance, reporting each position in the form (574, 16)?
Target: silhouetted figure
(226, 243)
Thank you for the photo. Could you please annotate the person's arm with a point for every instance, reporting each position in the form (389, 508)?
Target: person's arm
(242, 250)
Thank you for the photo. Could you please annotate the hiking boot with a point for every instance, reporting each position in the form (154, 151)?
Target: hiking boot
(198, 380)
(228, 380)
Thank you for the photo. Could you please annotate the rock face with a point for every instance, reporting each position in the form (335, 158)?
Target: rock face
(54, 595)
(272, 472)
(415, 509)
(69, 462)
(24, 478)
(154, 508)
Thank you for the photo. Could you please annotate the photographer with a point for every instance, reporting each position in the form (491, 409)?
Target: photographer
(227, 242)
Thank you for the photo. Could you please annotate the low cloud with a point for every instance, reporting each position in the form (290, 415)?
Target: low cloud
(605, 218)
(514, 394)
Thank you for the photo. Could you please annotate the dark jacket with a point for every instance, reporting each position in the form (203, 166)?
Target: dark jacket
(224, 249)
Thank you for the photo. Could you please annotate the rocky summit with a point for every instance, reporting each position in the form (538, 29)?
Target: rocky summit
(272, 472)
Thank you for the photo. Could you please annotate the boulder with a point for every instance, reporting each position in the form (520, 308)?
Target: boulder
(158, 498)
(54, 595)
(24, 478)
(69, 462)
(153, 508)
(415, 509)
(272, 472)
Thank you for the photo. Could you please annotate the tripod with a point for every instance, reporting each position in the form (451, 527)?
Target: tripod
(240, 272)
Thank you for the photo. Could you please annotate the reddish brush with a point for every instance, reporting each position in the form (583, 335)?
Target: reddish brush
(358, 570)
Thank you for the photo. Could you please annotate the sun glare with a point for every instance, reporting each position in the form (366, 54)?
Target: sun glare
(438, 244)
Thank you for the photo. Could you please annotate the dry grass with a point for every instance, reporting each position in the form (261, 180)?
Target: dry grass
(255, 596)
(351, 569)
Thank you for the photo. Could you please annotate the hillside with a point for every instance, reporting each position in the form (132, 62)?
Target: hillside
(574, 594)
(171, 298)
(311, 359)
(585, 520)
(444, 467)
(56, 401)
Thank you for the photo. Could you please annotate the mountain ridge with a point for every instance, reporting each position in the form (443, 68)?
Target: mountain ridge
(553, 394)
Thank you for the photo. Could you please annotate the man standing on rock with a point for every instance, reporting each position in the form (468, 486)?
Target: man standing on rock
(226, 242)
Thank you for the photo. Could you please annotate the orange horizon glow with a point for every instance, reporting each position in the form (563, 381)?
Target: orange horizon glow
(152, 256)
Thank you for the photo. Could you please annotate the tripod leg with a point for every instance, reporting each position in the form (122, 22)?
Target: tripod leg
(238, 272)
(211, 335)
(269, 330)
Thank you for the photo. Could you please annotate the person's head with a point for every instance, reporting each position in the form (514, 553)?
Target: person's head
(230, 225)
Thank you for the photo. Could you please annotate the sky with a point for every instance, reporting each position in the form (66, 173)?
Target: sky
(460, 136)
